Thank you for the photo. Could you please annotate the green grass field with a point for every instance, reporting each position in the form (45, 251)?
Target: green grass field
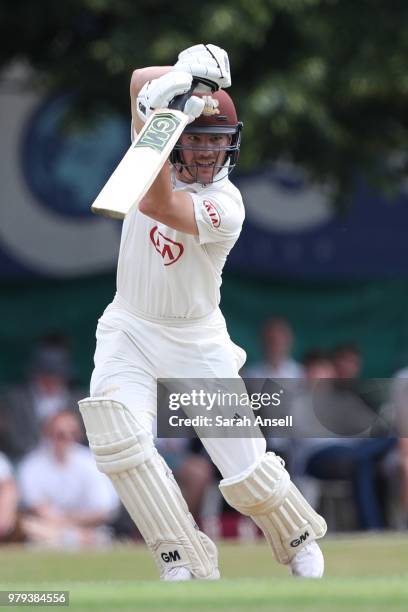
(362, 574)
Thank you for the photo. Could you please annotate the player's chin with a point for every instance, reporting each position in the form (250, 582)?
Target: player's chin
(205, 175)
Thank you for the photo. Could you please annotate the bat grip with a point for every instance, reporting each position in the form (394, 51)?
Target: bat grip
(179, 102)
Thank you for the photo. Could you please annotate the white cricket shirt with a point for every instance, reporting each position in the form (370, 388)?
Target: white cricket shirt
(165, 274)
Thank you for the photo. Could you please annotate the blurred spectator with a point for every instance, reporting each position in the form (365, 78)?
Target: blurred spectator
(6, 444)
(347, 361)
(48, 389)
(313, 396)
(66, 501)
(277, 341)
(332, 455)
(395, 466)
(8, 500)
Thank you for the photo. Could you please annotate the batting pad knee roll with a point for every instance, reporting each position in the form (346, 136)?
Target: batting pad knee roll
(270, 498)
(147, 488)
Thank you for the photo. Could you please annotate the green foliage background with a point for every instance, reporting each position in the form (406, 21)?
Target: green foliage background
(320, 82)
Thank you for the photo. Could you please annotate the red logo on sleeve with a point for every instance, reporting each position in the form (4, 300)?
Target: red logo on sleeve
(170, 251)
(212, 213)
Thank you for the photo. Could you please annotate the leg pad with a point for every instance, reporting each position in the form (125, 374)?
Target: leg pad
(146, 486)
(267, 495)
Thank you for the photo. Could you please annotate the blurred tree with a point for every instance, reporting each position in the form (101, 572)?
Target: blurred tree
(322, 83)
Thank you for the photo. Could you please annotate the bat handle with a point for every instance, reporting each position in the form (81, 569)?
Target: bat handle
(179, 102)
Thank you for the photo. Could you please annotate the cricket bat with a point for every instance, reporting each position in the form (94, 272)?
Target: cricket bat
(143, 161)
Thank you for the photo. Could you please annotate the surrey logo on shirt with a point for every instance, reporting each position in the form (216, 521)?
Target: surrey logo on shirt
(169, 250)
(212, 213)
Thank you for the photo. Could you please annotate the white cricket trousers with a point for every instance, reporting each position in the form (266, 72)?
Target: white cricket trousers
(133, 352)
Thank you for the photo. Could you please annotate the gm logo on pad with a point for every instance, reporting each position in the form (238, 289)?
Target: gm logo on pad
(298, 541)
(171, 556)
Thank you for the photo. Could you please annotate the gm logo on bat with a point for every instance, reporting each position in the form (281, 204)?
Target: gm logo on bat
(158, 133)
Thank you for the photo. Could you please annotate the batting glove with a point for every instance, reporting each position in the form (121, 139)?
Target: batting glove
(207, 62)
(158, 93)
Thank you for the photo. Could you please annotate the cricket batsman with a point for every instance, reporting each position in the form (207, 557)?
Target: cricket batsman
(165, 322)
